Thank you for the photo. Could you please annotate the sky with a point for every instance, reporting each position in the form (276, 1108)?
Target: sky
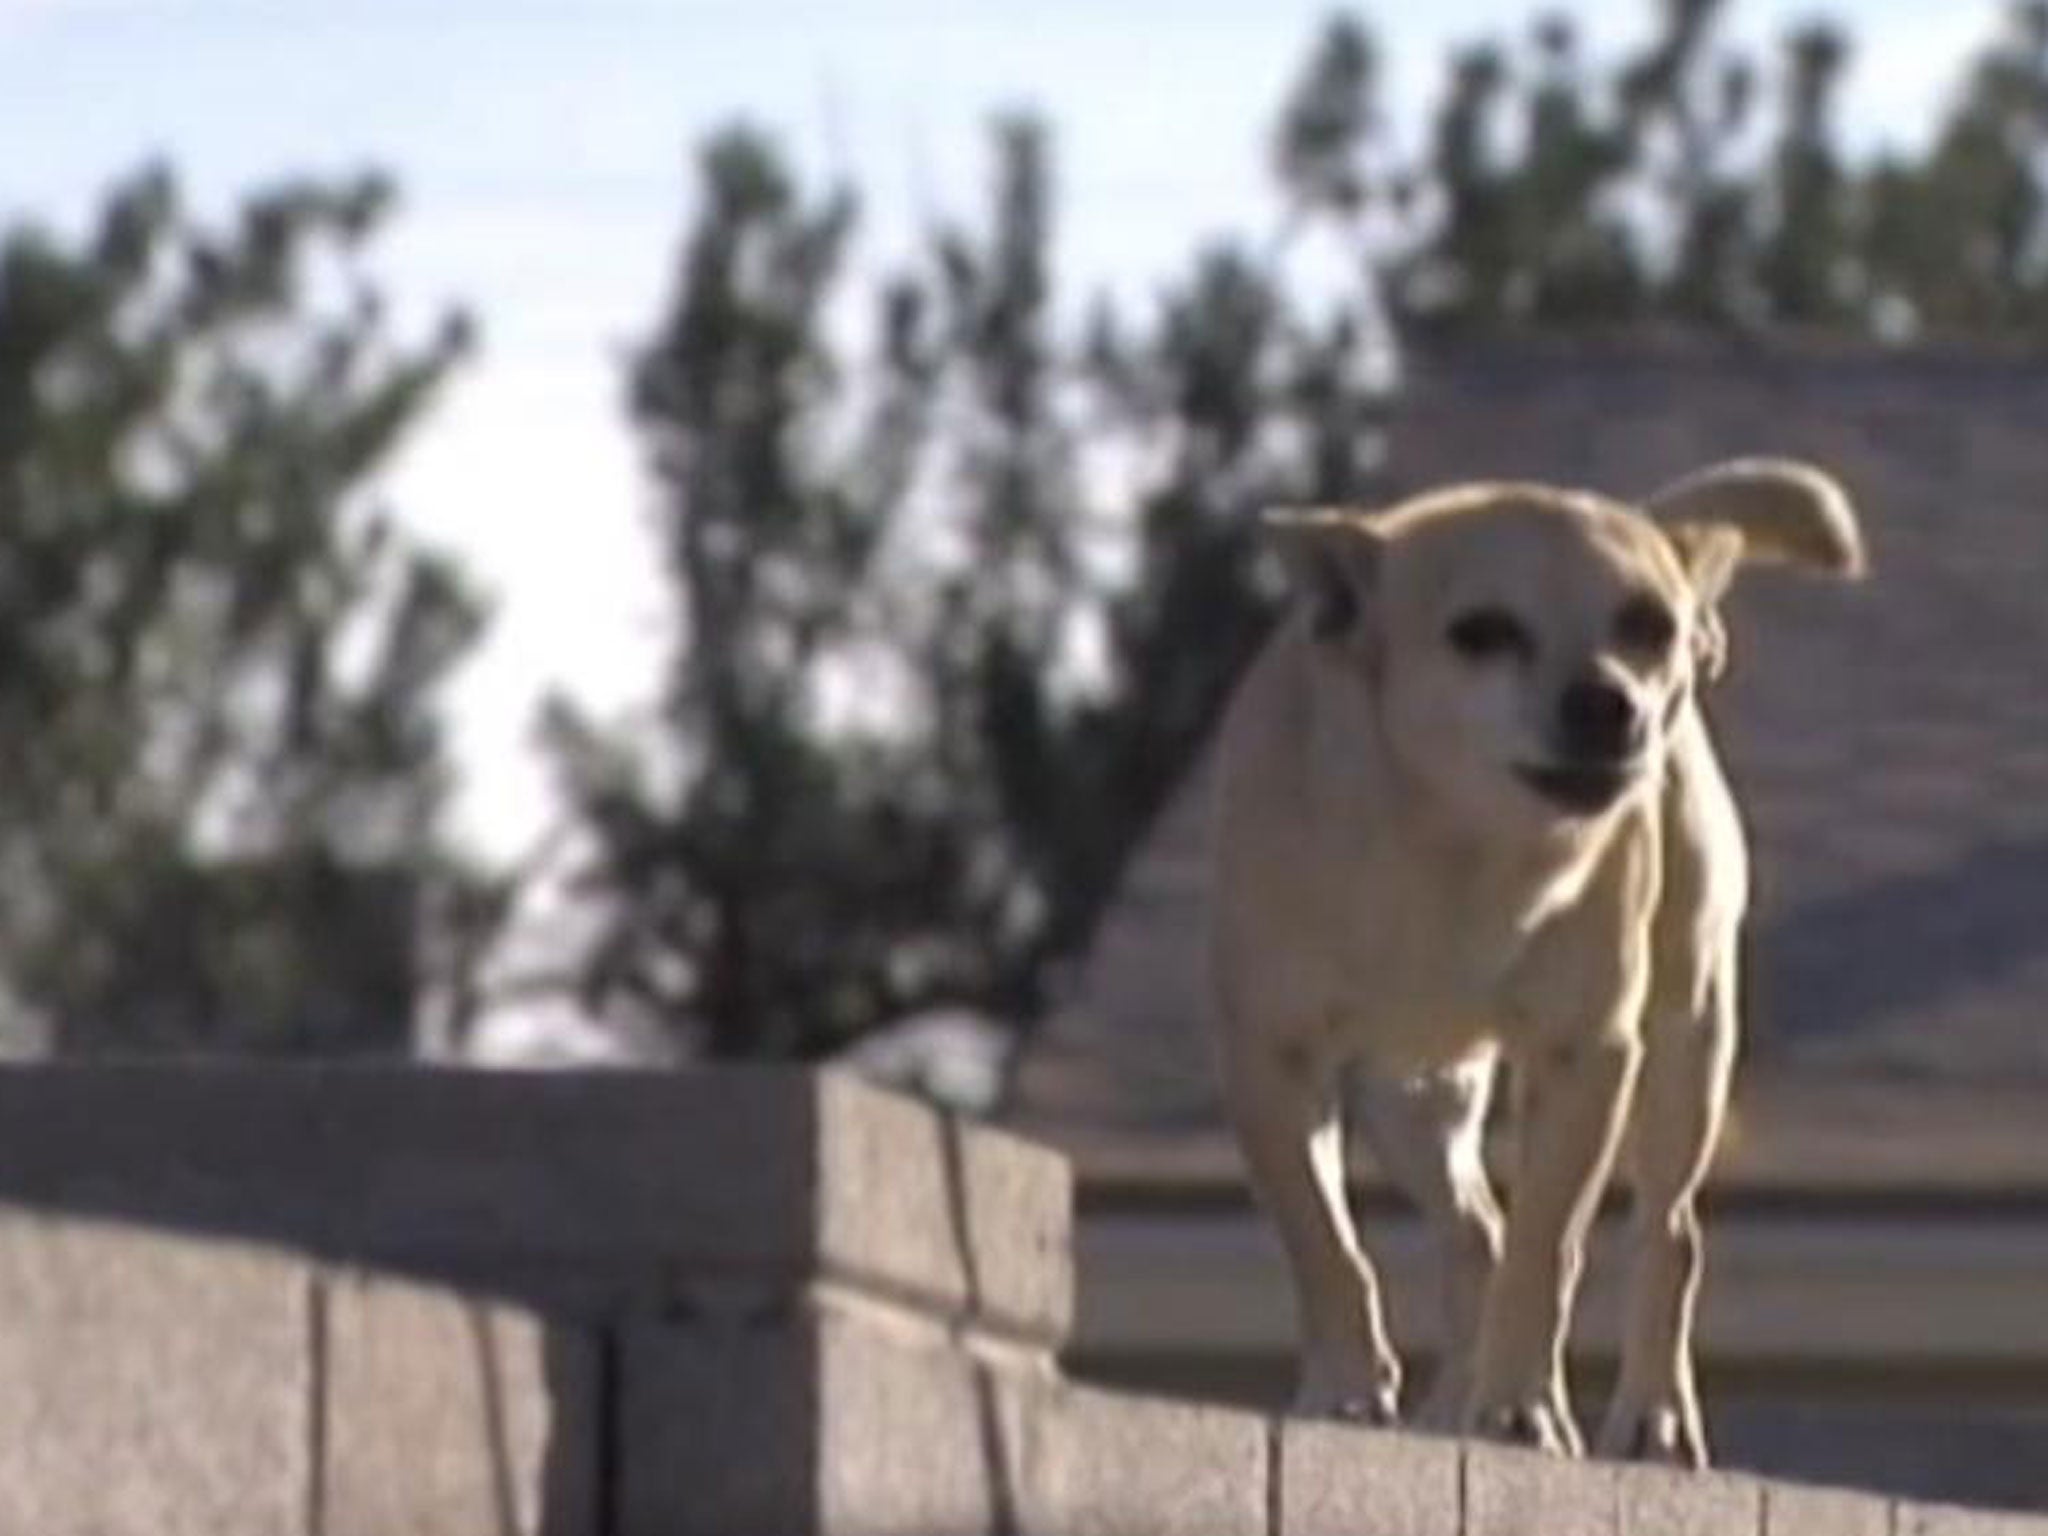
(543, 152)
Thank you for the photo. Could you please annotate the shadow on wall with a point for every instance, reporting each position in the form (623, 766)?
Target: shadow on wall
(574, 1497)
(1000, 1457)
(1928, 1454)
(1901, 947)
(690, 1245)
(513, 1427)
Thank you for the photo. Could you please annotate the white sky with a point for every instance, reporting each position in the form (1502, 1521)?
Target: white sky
(543, 150)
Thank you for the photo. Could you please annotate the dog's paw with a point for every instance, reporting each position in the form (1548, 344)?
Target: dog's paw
(1536, 1424)
(1378, 1409)
(1663, 1435)
(1379, 1405)
(1333, 1395)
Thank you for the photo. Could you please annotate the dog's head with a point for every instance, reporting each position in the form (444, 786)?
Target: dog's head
(1531, 648)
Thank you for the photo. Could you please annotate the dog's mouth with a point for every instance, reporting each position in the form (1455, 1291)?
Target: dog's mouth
(1584, 789)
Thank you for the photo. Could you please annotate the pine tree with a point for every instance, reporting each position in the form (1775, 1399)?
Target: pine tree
(1958, 243)
(1031, 669)
(773, 879)
(220, 749)
(1806, 261)
(1557, 196)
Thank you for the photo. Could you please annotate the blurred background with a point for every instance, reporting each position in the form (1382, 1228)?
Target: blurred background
(648, 533)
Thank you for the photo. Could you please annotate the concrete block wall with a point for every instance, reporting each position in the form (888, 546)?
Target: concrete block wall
(311, 1303)
(179, 1387)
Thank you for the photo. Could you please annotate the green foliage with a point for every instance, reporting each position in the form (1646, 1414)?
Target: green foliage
(762, 891)
(1670, 189)
(1329, 122)
(218, 666)
(938, 674)
(1959, 241)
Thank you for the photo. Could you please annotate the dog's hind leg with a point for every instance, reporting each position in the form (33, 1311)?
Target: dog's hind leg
(1426, 1133)
(1285, 1107)
(1689, 1053)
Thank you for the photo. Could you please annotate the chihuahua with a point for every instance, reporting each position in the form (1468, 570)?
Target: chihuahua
(1469, 816)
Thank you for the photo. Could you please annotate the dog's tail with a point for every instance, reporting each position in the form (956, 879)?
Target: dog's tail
(1787, 512)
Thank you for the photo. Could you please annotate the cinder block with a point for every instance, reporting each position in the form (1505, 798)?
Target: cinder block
(1792, 1509)
(1950, 1520)
(1660, 1501)
(1512, 1492)
(443, 1413)
(1114, 1464)
(150, 1385)
(1336, 1480)
(820, 1425)
(586, 1190)
(974, 1218)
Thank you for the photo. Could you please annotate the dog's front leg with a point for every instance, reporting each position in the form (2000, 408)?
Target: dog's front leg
(1427, 1133)
(1285, 1108)
(1689, 1053)
(1575, 1097)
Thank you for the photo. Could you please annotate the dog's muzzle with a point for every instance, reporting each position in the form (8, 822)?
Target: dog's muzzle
(1597, 721)
(1599, 744)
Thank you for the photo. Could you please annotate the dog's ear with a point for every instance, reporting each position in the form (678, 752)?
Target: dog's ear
(1710, 552)
(1776, 511)
(1332, 563)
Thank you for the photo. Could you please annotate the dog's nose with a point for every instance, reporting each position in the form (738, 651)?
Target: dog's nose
(1599, 720)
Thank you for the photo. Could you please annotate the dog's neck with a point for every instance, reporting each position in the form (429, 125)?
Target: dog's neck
(1517, 885)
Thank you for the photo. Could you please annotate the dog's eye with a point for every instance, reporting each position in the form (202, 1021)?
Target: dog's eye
(1486, 634)
(1645, 624)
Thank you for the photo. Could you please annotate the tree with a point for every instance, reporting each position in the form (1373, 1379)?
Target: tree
(1670, 188)
(772, 879)
(1807, 263)
(219, 662)
(1029, 664)
(1329, 128)
(1958, 243)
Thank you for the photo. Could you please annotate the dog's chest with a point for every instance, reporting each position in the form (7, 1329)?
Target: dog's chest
(1430, 972)
(1413, 990)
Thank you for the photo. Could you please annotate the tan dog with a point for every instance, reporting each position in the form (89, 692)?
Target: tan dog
(1469, 813)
